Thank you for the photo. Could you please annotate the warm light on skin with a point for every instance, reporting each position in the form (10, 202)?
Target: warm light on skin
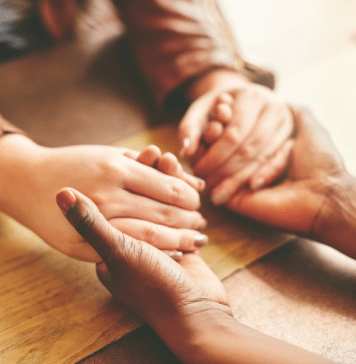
(59, 18)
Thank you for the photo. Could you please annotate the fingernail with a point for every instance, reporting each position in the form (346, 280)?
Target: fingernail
(201, 184)
(186, 144)
(218, 197)
(257, 183)
(174, 254)
(65, 199)
(200, 240)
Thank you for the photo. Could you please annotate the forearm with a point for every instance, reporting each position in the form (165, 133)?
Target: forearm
(336, 221)
(216, 337)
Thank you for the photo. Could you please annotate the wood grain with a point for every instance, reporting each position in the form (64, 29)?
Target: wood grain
(53, 308)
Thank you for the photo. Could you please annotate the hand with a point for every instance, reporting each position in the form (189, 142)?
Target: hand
(138, 200)
(317, 197)
(185, 304)
(260, 125)
(175, 300)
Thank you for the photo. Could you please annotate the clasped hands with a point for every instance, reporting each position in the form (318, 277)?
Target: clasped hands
(185, 303)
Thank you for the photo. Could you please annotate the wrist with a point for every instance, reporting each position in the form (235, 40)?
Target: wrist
(188, 329)
(218, 80)
(335, 224)
(19, 163)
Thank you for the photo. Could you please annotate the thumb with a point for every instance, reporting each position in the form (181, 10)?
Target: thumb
(129, 264)
(193, 124)
(111, 244)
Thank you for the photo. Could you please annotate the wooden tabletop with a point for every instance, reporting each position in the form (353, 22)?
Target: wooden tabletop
(302, 292)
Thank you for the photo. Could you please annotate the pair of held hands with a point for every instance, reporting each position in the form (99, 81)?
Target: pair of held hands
(157, 205)
(184, 303)
(251, 148)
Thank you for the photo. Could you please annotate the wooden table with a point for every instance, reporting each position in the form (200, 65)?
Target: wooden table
(302, 292)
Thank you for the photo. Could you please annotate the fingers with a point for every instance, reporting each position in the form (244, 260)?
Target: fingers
(273, 168)
(213, 132)
(174, 254)
(85, 217)
(193, 124)
(151, 183)
(167, 163)
(232, 180)
(149, 156)
(245, 114)
(226, 98)
(111, 244)
(132, 154)
(286, 206)
(226, 189)
(161, 237)
(202, 149)
(131, 205)
(273, 127)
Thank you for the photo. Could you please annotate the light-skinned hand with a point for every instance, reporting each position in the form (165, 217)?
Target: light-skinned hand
(137, 199)
(260, 125)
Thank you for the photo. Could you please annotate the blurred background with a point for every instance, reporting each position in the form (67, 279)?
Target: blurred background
(311, 47)
(309, 44)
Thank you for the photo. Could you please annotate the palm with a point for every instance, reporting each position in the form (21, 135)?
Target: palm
(202, 274)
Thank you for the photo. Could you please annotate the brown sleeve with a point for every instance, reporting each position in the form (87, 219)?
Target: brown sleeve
(8, 128)
(175, 41)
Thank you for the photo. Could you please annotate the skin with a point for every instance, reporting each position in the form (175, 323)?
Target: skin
(184, 303)
(167, 216)
(318, 196)
(259, 127)
(232, 155)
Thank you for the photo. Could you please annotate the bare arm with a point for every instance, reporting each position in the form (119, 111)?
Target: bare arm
(184, 303)
(31, 175)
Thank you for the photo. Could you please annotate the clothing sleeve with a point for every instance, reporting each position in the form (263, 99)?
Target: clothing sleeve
(8, 128)
(175, 41)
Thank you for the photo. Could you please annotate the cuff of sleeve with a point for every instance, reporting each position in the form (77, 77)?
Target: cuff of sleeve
(175, 101)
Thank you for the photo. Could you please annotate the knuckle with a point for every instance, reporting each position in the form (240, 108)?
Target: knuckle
(100, 200)
(84, 223)
(113, 172)
(176, 191)
(127, 248)
(169, 215)
(151, 234)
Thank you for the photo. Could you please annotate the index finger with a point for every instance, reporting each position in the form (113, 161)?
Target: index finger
(192, 126)
(151, 183)
(245, 115)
